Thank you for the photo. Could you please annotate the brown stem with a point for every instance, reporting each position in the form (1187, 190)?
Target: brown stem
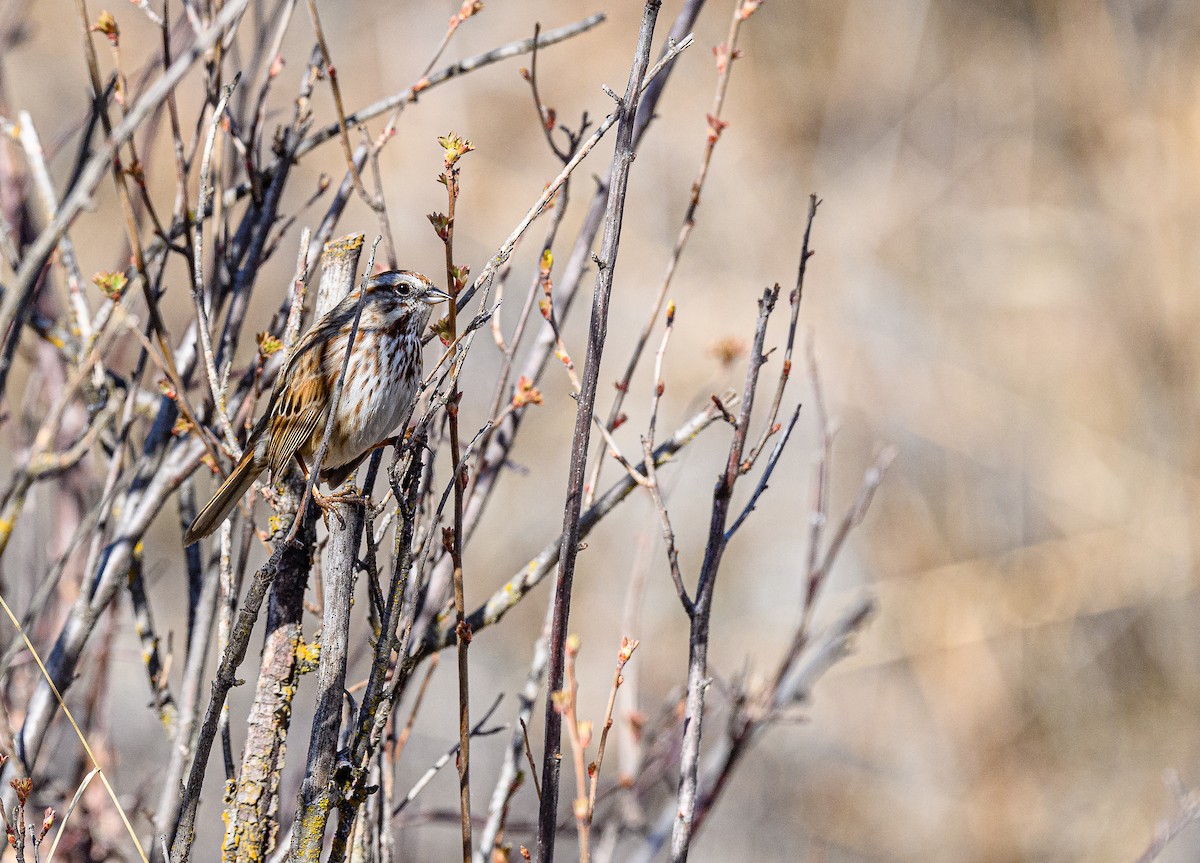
(697, 681)
(598, 330)
(462, 630)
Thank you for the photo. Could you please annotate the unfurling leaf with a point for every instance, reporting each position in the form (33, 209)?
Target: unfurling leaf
(715, 127)
(107, 25)
(526, 394)
(267, 344)
(468, 9)
(628, 646)
(456, 147)
(23, 786)
(442, 330)
(441, 225)
(112, 285)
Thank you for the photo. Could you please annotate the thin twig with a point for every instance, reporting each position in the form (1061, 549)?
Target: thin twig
(477, 731)
(470, 64)
(343, 129)
(697, 681)
(454, 149)
(628, 646)
(214, 384)
(508, 595)
(785, 370)
(652, 486)
(727, 54)
(506, 248)
(766, 475)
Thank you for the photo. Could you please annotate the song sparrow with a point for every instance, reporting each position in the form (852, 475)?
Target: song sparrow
(381, 383)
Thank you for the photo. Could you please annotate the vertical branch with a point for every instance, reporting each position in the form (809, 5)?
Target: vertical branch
(508, 778)
(251, 816)
(614, 211)
(377, 703)
(566, 702)
(455, 277)
(317, 793)
(202, 325)
(697, 682)
(337, 575)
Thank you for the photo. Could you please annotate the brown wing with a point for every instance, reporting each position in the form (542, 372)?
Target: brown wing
(299, 406)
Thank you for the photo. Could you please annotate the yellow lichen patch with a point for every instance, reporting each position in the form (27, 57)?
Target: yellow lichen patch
(308, 654)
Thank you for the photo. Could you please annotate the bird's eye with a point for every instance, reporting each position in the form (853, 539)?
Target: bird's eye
(403, 289)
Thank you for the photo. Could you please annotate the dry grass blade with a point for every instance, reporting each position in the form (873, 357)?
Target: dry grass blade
(62, 826)
(78, 732)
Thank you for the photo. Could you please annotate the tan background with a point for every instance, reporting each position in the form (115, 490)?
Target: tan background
(1004, 288)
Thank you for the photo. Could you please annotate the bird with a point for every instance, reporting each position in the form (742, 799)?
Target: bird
(382, 381)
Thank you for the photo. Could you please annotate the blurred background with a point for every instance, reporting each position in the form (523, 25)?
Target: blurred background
(1000, 289)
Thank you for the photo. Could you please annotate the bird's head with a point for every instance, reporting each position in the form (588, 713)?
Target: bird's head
(406, 286)
(405, 292)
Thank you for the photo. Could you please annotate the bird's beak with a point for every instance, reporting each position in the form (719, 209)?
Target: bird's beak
(433, 296)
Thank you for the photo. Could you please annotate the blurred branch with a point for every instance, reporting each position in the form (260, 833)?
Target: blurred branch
(331, 74)
(793, 681)
(156, 673)
(79, 315)
(216, 389)
(478, 730)
(470, 64)
(1187, 811)
(518, 744)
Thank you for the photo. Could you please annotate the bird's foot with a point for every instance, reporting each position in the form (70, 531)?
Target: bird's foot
(329, 503)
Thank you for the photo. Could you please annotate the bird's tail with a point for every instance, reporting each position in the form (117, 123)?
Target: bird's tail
(227, 496)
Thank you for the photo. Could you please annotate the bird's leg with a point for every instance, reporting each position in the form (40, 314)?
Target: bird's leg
(325, 503)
